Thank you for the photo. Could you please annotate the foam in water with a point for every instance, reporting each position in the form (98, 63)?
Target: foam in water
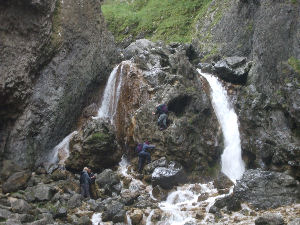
(232, 163)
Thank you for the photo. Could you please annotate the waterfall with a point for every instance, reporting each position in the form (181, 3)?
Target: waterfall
(231, 159)
(112, 91)
(107, 109)
(62, 150)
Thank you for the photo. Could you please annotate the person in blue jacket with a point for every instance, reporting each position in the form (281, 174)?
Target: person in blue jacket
(85, 183)
(144, 155)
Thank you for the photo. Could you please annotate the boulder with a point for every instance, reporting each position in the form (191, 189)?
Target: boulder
(232, 69)
(108, 180)
(223, 183)
(84, 220)
(128, 197)
(282, 189)
(136, 216)
(270, 219)
(20, 206)
(95, 146)
(59, 175)
(114, 211)
(230, 202)
(159, 193)
(16, 181)
(75, 201)
(23, 218)
(41, 192)
(4, 214)
(162, 162)
(167, 178)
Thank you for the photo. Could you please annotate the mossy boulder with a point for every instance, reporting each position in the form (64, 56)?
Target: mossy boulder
(95, 147)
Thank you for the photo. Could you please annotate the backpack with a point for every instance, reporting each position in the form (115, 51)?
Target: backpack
(139, 147)
(163, 108)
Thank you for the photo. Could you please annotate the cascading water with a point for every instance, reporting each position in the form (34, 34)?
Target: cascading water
(231, 159)
(112, 91)
(107, 109)
(61, 149)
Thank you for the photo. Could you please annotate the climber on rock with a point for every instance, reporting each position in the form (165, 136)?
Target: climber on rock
(85, 182)
(162, 112)
(144, 155)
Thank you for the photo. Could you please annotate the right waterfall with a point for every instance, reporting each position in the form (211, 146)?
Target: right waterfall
(233, 165)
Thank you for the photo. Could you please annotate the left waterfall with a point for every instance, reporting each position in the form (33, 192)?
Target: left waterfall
(108, 109)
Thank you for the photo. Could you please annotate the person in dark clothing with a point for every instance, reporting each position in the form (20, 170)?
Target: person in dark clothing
(93, 184)
(85, 182)
(162, 111)
(144, 155)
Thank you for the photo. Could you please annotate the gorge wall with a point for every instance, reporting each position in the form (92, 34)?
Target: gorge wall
(54, 56)
(267, 33)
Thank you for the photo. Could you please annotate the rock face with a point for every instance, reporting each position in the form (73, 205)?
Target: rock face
(268, 106)
(164, 74)
(54, 55)
(95, 146)
(281, 189)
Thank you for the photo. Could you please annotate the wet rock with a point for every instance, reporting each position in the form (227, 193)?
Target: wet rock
(75, 201)
(159, 74)
(90, 110)
(168, 177)
(109, 181)
(223, 183)
(162, 162)
(41, 192)
(270, 219)
(55, 72)
(136, 216)
(84, 220)
(230, 202)
(203, 197)
(233, 69)
(16, 182)
(128, 197)
(159, 193)
(96, 144)
(20, 206)
(282, 189)
(114, 212)
(205, 67)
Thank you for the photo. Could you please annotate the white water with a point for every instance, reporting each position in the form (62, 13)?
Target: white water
(232, 163)
(112, 91)
(107, 109)
(61, 151)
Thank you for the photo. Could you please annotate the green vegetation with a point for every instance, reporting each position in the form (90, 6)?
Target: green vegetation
(295, 64)
(168, 20)
(98, 137)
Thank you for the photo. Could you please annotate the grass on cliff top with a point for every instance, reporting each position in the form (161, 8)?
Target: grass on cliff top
(167, 20)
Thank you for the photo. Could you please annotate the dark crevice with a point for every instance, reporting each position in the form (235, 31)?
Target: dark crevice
(179, 104)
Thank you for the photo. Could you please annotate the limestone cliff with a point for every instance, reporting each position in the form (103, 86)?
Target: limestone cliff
(54, 56)
(267, 33)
